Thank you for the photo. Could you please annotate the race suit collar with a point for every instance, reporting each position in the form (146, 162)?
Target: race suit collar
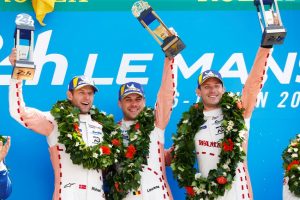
(214, 112)
(85, 117)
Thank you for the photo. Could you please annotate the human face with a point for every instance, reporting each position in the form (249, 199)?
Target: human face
(82, 98)
(131, 106)
(211, 92)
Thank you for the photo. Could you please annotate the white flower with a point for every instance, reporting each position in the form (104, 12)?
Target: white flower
(198, 190)
(227, 106)
(294, 155)
(77, 144)
(197, 175)
(139, 132)
(230, 123)
(185, 121)
(242, 134)
(230, 94)
(133, 138)
(295, 149)
(290, 150)
(224, 174)
(293, 176)
(131, 165)
(229, 128)
(213, 183)
(113, 132)
(69, 136)
(103, 112)
(101, 152)
(209, 192)
(95, 155)
(234, 130)
(225, 166)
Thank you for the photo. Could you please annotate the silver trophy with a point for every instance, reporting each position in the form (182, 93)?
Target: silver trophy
(170, 43)
(24, 39)
(270, 22)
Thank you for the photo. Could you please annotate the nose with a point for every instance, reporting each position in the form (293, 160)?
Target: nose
(86, 96)
(134, 103)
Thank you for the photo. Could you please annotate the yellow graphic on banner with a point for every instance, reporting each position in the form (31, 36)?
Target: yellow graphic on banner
(41, 8)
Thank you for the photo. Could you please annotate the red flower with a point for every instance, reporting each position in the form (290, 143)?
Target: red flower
(137, 126)
(228, 145)
(116, 142)
(117, 186)
(76, 127)
(105, 150)
(130, 152)
(239, 105)
(221, 180)
(190, 191)
(295, 162)
(196, 106)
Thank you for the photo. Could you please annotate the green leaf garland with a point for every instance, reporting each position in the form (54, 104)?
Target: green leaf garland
(99, 156)
(184, 156)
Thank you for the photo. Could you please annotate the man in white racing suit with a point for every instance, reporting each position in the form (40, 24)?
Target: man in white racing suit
(207, 139)
(154, 183)
(72, 182)
(5, 183)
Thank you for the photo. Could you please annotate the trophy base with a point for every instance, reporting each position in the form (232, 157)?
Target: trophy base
(172, 46)
(23, 70)
(273, 35)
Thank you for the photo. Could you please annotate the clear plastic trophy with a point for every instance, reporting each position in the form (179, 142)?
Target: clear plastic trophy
(24, 39)
(271, 24)
(170, 43)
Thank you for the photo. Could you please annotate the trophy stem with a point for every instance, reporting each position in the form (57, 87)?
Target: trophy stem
(263, 11)
(31, 46)
(260, 20)
(278, 13)
(150, 31)
(17, 43)
(161, 22)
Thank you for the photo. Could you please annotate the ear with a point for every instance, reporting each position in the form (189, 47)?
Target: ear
(224, 89)
(119, 104)
(69, 95)
(198, 92)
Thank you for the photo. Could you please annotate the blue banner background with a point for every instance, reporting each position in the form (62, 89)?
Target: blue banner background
(111, 35)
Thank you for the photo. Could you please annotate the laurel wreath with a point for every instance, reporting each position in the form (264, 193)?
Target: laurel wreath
(99, 156)
(291, 165)
(126, 176)
(184, 156)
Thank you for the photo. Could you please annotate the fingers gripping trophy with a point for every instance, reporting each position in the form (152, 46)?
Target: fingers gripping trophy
(270, 22)
(170, 43)
(24, 66)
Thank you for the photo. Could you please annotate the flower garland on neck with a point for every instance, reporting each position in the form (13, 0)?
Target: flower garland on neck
(126, 176)
(99, 156)
(184, 155)
(291, 165)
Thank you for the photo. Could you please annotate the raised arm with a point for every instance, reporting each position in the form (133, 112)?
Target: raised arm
(254, 81)
(28, 117)
(165, 96)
